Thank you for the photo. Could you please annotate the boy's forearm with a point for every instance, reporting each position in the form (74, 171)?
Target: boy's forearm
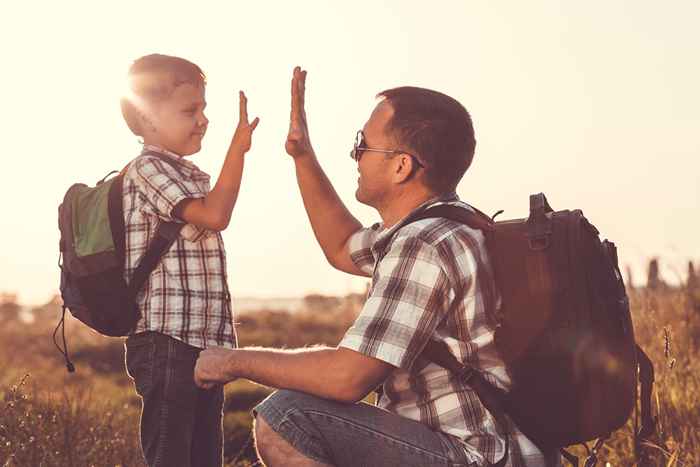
(331, 221)
(222, 198)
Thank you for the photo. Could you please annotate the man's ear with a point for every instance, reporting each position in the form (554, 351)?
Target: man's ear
(405, 168)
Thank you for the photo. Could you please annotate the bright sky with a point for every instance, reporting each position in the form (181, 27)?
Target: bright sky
(594, 103)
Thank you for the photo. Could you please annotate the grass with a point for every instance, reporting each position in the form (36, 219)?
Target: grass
(89, 418)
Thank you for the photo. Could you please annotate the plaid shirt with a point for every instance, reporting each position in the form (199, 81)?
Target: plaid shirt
(186, 296)
(435, 282)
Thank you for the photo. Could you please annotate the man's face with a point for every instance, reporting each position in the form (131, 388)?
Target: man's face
(375, 167)
(179, 121)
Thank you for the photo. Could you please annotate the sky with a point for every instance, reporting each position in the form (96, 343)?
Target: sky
(593, 103)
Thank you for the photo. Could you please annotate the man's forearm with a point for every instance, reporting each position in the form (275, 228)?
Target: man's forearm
(330, 220)
(315, 371)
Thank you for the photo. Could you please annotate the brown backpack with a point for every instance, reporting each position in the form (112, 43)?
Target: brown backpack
(565, 330)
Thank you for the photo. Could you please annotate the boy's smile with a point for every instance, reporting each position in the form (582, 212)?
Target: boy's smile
(178, 123)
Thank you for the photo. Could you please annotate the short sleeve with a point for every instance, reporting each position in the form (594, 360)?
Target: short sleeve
(360, 245)
(164, 187)
(409, 298)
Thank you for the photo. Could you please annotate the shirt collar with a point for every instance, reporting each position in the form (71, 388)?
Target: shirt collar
(189, 167)
(386, 234)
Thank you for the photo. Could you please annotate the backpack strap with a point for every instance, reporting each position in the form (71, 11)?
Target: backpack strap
(474, 219)
(648, 426)
(437, 352)
(166, 235)
(492, 397)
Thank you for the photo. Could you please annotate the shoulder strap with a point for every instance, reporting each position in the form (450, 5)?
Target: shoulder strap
(493, 398)
(646, 379)
(474, 219)
(166, 234)
(437, 351)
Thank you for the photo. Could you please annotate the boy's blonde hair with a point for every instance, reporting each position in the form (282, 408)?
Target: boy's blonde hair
(153, 78)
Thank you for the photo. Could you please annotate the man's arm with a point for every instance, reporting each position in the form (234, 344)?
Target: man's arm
(332, 373)
(332, 223)
(213, 211)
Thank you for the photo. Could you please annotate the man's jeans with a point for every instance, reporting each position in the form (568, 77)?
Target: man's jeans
(356, 435)
(181, 424)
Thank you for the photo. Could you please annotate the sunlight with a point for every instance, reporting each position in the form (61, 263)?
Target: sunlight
(548, 117)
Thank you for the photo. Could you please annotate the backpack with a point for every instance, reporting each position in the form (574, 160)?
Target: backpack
(92, 258)
(564, 329)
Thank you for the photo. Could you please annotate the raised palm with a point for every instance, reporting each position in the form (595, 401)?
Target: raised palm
(243, 136)
(298, 142)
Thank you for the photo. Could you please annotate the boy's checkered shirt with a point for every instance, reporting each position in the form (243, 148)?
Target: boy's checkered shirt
(186, 296)
(435, 282)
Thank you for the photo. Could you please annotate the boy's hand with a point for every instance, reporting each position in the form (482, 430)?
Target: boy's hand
(212, 367)
(298, 141)
(242, 138)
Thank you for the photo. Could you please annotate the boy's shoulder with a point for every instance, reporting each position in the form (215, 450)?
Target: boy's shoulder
(148, 165)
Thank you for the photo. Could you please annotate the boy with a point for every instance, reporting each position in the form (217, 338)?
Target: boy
(185, 303)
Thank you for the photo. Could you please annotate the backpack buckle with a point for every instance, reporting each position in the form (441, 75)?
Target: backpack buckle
(466, 373)
(539, 224)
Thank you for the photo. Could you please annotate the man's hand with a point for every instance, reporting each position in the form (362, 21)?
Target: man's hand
(213, 367)
(298, 142)
(242, 138)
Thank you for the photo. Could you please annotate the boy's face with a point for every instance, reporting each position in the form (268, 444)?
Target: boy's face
(179, 123)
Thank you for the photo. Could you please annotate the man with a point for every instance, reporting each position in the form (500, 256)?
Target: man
(431, 279)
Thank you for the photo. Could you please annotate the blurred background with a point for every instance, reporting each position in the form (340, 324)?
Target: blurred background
(593, 103)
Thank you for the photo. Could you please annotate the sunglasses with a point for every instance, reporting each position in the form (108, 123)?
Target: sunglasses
(360, 147)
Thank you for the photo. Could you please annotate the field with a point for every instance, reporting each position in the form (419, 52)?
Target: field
(49, 417)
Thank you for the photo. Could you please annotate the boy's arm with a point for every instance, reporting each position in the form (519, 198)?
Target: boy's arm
(213, 211)
(332, 223)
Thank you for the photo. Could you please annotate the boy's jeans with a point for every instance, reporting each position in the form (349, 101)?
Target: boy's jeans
(181, 424)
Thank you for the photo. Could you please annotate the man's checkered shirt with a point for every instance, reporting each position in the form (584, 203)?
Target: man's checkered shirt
(435, 282)
(187, 295)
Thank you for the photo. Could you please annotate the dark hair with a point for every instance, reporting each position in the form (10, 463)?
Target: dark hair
(437, 128)
(153, 78)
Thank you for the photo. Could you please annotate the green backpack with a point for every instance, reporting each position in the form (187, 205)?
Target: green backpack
(92, 258)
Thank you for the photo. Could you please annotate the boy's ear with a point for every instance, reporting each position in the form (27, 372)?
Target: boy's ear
(145, 121)
(131, 116)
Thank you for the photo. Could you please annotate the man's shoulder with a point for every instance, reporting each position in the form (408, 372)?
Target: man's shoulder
(440, 231)
(445, 242)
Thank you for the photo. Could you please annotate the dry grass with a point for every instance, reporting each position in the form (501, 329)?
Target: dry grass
(89, 418)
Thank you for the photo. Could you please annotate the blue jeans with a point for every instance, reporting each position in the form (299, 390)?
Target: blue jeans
(355, 435)
(181, 424)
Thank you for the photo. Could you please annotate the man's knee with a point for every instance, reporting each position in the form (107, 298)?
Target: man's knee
(300, 440)
(265, 437)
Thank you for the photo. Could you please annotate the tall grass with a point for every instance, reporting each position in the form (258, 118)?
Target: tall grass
(90, 418)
